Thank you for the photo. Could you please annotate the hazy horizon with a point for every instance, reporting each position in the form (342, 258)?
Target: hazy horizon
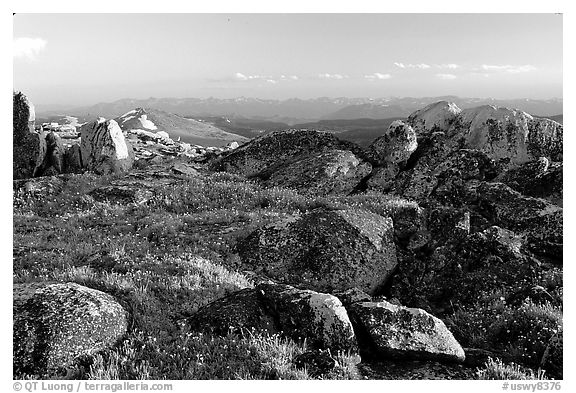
(85, 59)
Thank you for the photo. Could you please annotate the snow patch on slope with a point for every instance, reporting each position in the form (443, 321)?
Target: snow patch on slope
(147, 123)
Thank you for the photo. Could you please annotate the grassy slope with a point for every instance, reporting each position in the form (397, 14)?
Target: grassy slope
(162, 261)
(165, 259)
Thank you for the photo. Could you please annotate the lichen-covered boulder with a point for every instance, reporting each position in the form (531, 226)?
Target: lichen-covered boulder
(390, 152)
(396, 145)
(383, 178)
(122, 194)
(417, 181)
(539, 179)
(264, 155)
(396, 332)
(324, 250)
(438, 116)
(238, 312)
(443, 174)
(540, 221)
(73, 159)
(54, 160)
(331, 172)
(28, 146)
(461, 272)
(104, 148)
(318, 318)
(56, 323)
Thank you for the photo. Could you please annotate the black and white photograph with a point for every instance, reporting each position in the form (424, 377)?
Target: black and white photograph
(286, 196)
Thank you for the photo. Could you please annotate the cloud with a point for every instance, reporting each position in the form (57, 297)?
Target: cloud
(240, 76)
(450, 66)
(511, 69)
(29, 48)
(378, 75)
(267, 78)
(332, 76)
(446, 76)
(421, 66)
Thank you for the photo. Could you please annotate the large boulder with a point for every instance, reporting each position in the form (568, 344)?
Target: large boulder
(325, 250)
(461, 272)
(438, 116)
(56, 323)
(390, 152)
(331, 172)
(54, 160)
(540, 179)
(28, 146)
(443, 174)
(540, 221)
(264, 155)
(396, 145)
(318, 318)
(390, 331)
(238, 312)
(73, 159)
(104, 148)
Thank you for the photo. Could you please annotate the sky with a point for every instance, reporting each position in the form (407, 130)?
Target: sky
(83, 59)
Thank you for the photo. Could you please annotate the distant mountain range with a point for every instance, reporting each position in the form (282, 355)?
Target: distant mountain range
(294, 111)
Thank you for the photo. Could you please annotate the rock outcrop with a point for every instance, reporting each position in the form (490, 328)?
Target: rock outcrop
(264, 155)
(301, 314)
(389, 331)
(540, 179)
(461, 271)
(538, 220)
(104, 148)
(28, 146)
(510, 137)
(332, 172)
(396, 145)
(73, 159)
(55, 155)
(324, 250)
(390, 152)
(444, 174)
(56, 323)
